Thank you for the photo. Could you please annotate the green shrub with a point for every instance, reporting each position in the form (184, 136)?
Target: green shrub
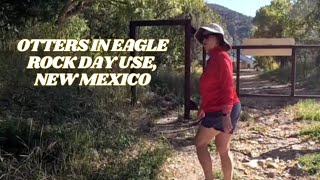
(266, 63)
(145, 166)
(311, 163)
(306, 74)
(311, 131)
(307, 110)
(170, 81)
(62, 132)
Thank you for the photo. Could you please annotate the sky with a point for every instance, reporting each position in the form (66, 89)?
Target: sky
(246, 7)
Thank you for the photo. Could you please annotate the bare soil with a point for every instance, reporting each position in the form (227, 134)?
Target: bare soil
(266, 144)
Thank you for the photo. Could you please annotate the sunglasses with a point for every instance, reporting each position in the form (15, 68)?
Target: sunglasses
(207, 35)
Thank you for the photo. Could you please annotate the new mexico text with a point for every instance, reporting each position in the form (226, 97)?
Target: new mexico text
(96, 79)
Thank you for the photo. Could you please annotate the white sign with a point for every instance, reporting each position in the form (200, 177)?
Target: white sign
(268, 41)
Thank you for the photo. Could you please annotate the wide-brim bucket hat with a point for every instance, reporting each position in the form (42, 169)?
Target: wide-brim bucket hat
(212, 28)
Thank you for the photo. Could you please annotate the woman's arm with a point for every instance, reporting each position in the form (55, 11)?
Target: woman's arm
(226, 80)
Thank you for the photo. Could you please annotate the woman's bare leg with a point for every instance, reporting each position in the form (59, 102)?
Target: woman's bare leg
(222, 141)
(202, 139)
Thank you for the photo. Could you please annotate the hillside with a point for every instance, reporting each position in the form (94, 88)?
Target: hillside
(238, 25)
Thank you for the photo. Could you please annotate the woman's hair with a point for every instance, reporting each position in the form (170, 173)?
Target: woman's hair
(220, 39)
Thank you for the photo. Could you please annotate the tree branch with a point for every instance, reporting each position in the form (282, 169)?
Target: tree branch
(71, 8)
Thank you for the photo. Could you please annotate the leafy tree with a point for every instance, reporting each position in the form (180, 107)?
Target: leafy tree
(14, 13)
(274, 21)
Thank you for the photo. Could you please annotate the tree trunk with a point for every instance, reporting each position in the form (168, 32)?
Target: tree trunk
(71, 8)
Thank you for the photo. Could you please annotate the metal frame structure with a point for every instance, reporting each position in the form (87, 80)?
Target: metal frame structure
(189, 32)
(293, 69)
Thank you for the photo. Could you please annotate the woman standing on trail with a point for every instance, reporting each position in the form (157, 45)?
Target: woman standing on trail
(220, 106)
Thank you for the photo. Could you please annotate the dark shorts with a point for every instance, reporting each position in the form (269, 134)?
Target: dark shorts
(214, 119)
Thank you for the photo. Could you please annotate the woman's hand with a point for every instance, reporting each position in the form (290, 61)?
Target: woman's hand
(227, 125)
(201, 114)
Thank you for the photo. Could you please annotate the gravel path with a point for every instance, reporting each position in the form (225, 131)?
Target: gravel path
(265, 146)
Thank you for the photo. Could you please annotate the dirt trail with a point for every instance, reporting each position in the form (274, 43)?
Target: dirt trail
(265, 146)
(250, 83)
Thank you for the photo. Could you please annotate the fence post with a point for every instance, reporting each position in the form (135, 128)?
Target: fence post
(238, 70)
(187, 37)
(293, 71)
(132, 35)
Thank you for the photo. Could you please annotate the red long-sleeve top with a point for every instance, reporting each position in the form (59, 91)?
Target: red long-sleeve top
(216, 83)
